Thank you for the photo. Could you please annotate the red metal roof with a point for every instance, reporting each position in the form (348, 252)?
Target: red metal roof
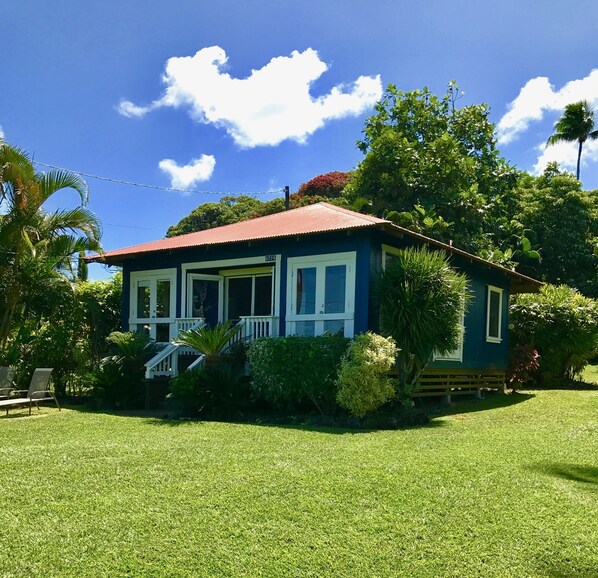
(318, 218)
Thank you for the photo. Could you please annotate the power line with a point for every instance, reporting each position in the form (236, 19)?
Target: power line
(171, 189)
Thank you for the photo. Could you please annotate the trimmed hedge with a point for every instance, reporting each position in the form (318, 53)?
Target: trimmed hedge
(290, 370)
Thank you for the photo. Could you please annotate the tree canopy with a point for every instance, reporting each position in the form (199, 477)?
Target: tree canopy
(421, 150)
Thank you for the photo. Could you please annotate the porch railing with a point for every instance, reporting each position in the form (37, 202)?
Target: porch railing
(165, 362)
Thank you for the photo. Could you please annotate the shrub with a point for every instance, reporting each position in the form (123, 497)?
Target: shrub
(217, 390)
(213, 342)
(523, 364)
(288, 370)
(363, 378)
(421, 300)
(118, 382)
(562, 325)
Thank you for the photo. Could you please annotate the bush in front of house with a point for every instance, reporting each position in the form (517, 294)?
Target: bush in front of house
(215, 390)
(363, 382)
(118, 382)
(289, 370)
(562, 325)
(421, 299)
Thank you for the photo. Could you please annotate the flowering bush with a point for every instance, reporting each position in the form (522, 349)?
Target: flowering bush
(363, 378)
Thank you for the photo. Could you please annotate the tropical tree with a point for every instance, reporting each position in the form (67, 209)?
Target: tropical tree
(424, 154)
(421, 299)
(576, 125)
(37, 247)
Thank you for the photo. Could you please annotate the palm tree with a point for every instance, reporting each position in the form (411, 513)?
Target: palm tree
(36, 247)
(576, 125)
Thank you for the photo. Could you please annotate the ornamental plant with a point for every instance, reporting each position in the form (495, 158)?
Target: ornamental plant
(363, 383)
(562, 324)
(421, 299)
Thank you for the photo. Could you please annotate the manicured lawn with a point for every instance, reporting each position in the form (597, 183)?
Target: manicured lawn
(505, 487)
(590, 374)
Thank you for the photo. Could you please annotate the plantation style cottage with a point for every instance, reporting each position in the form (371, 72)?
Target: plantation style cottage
(305, 271)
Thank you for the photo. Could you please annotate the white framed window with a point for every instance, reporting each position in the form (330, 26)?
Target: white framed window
(494, 314)
(321, 294)
(457, 353)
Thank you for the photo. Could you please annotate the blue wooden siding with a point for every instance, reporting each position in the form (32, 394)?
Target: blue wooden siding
(367, 243)
(477, 352)
(304, 246)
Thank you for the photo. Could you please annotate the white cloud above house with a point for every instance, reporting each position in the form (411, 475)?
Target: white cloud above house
(539, 96)
(186, 176)
(269, 106)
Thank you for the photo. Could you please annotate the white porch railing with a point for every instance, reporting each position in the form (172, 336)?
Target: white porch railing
(165, 362)
(255, 327)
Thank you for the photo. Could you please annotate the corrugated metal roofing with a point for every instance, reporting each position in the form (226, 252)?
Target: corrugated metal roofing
(318, 218)
(309, 220)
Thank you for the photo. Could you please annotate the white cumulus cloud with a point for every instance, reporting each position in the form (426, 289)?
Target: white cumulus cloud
(1, 133)
(271, 105)
(184, 177)
(539, 96)
(565, 153)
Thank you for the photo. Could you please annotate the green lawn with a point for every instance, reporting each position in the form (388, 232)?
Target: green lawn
(590, 374)
(504, 487)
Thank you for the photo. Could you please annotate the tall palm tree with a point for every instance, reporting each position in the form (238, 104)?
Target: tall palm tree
(36, 247)
(576, 125)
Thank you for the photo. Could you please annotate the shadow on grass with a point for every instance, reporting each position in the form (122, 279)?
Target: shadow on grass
(571, 472)
(493, 400)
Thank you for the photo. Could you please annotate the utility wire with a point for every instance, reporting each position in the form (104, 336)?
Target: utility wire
(132, 184)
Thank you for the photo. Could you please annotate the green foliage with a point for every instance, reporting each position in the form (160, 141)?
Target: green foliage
(118, 382)
(562, 221)
(562, 325)
(363, 383)
(211, 341)
(215, 390)
(225, 212)
(37, 247)
(420, 150)
(72, 338)
(288, 370)
(421, 298)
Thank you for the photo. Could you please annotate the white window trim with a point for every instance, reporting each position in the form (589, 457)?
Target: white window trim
(248, 274)
(457, 354)
(389, 250)
(241, 262)
(348, 258)
(493, 338)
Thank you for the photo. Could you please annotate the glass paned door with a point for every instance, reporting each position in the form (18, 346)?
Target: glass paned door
(205, 297)
(322, 295)
(153, 303)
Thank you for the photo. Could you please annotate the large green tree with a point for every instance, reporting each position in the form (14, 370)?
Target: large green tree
(37, 247)
(576, 125)
(561, 221)
(226, 211)
(421, 150)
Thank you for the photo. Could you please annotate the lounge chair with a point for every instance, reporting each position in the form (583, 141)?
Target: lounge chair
(38, 391)
(7, 374)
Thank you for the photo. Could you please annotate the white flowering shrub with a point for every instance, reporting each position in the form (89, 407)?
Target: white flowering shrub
(363, 383)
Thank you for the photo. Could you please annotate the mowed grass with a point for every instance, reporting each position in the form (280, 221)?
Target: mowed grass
(503, 487)
(590, 374)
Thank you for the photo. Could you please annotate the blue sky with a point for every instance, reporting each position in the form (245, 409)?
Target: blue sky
(165, 93)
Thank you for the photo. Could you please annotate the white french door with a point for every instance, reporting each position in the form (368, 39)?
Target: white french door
(153, 303)
(321, 295)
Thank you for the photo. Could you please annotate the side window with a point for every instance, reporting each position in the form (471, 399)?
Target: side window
(494, 314)
(457, 353)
